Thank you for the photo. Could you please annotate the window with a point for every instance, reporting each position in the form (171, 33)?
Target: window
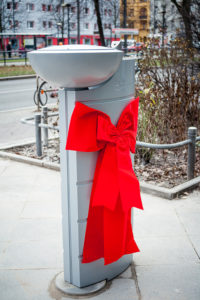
(49, 8)
(57, 8)
(30, 24)
(131, 12)
(29, 6)
(105, 12)
(86, 11)
(15, 5)
(143, 25)
(86, 41)
(110, 12)
(8, 5)
(44, 24)
(73, 26)
(109, 26)
(86, 25)
(10, 23)
(16, 23)
(105, 26)
(143, 13)
(49, 42)
(73, 9)
(131, 24)
(95, 26)
(50, 24)
(43, 7)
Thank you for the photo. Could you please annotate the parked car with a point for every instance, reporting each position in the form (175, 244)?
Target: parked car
(137, 47)
(129, 44)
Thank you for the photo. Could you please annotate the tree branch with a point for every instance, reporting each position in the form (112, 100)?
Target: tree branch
(178, 6)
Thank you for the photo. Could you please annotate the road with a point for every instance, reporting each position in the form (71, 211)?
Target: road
(16, 102)
(16, 94)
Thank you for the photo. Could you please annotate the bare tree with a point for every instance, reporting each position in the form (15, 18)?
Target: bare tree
(59, 16)
(78, 11)
(112, 6)
(99, 21)
(5, 17)
(113, 11)
(11, 17)
(115, 7)
(190, 13)
(81, 6)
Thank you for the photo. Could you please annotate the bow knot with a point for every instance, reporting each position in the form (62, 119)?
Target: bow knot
(107, 132)
(114, 177)
(115, 187)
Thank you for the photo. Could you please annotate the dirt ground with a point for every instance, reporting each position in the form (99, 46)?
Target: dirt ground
(166, 168)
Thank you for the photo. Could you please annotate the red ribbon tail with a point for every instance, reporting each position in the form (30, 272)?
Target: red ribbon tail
(106, 187)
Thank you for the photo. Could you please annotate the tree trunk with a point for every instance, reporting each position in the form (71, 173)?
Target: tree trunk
(1, 31)
(184, 8)
(99, 22)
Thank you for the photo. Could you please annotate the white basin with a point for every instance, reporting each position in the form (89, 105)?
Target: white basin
(75, 66)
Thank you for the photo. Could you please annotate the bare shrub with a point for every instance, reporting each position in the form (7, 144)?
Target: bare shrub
(169, 89)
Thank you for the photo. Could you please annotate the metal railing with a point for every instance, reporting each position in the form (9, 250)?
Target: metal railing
(191, 142)
(41, 121)
(14, 56)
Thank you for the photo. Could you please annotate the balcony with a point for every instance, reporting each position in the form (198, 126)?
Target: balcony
(143, 17)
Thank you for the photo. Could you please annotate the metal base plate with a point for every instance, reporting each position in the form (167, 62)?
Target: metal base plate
(71, 289)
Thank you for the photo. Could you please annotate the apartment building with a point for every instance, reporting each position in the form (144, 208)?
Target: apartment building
(138, 17)
(50, 22)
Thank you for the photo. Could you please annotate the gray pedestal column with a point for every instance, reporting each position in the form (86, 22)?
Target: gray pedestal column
(77, 171)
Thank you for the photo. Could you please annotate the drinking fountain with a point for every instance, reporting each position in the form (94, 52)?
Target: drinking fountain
(103, 79)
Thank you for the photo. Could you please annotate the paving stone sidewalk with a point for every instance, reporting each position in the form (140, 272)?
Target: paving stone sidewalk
(167, 233)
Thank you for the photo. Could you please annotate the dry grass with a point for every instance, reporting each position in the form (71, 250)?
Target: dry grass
(13, 70)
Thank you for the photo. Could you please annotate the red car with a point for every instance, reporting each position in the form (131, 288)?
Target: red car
(137, 47)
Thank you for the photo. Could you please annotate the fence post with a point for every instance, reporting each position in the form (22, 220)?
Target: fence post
(38, 135)
(25, 57)
(192, 133)
(45, 121)
(4, 57)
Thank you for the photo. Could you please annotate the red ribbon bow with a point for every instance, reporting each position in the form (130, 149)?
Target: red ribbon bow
(115, 188)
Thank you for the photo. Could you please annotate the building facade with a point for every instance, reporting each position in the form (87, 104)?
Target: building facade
(138, 17)
(50, 22)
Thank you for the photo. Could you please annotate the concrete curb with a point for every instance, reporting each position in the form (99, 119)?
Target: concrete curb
(145, 187)
(24, 142)
(17, 77)
(169, 193)
(30, 161)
